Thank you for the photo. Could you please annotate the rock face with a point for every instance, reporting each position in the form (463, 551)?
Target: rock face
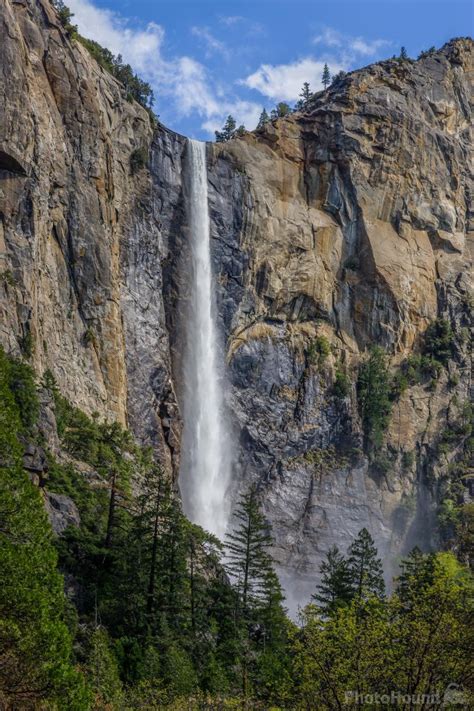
(349, 222)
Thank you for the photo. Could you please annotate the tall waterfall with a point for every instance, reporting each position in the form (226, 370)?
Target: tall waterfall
(206, 461)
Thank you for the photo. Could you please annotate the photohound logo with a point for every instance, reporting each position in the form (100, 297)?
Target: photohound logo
(454, 696)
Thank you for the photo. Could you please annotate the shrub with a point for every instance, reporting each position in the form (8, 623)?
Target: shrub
(439, 341)
(342, 384)
(138, 160)
(65, 16)
(408, 459)
(135, 88)
(318, 350)
(7, 277)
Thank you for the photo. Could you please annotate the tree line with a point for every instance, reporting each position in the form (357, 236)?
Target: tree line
(161, 614)
(282, 109)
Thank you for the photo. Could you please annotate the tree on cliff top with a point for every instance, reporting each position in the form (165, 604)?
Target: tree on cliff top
(326, 77)
(229, 130)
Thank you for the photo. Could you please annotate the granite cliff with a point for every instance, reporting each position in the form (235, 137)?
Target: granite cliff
(335, 229)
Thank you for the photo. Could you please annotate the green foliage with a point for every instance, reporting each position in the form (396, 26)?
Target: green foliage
(416, 642)
(365, 568)
(427, 52)
(229, 131)
(90, 337)
(19, 383)
(65, 17)
(403, 54)
(162, 624)
(35, 644)
(326, 77)
(263, 120)
(338, 77)
(138, 160)
(6, 277)
(305, 97)
(136, 89)
(342, 384)
(439, 341)
(318, 350)
(373, 394)
(408, 460)
(281, 110)
(27, 344)
(259, 616)
(335, 588)
(101, 670)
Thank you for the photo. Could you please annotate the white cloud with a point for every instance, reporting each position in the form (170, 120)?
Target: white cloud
(111, 31)
(230, 20)
(330, 37)
(181, 82)
(212, 44)
(284, 81)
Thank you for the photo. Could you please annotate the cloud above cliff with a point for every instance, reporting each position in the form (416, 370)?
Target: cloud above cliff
(284, 81)
(205, 60)
(347, 45)
(184, 83)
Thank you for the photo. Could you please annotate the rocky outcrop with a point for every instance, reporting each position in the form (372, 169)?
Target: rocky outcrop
(351, 223)
(80, 275)
(348, 223)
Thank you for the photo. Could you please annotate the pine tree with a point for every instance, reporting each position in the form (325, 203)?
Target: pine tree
(373, 396)
(248, 565)
(416, 573)
(305, 96)
(326, 77)
(35, 643)
(264, 119)
(228, 130)
(247, 546)
(403, 53)
(338, 77)
(281, 110)
(365, 568)
(335, 588)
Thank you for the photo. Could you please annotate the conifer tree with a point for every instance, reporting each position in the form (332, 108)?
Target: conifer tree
(335, 588)
(281, 110)
(248, 562)
(416, 573)
(35, 643)
(403, 53)
(373, 396)
(326, 77)
(228, 130)
(365, 568)
(249, 565)
(264, 119)
(305, 96)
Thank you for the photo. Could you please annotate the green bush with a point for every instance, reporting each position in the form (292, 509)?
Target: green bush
(318, 350)
(342, 384)
(408, 459)
(439, 341)
(138, 160)
(135, 88)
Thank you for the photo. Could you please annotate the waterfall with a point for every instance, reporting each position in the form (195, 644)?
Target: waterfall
(206, 461)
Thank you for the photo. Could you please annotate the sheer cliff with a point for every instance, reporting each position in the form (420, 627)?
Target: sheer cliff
(333, 230)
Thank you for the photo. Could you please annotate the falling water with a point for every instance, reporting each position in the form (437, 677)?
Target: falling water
(205, 468)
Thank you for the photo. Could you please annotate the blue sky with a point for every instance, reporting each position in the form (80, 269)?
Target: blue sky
(208, 58)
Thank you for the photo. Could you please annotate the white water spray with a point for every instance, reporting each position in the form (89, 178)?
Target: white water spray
(206, 460)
